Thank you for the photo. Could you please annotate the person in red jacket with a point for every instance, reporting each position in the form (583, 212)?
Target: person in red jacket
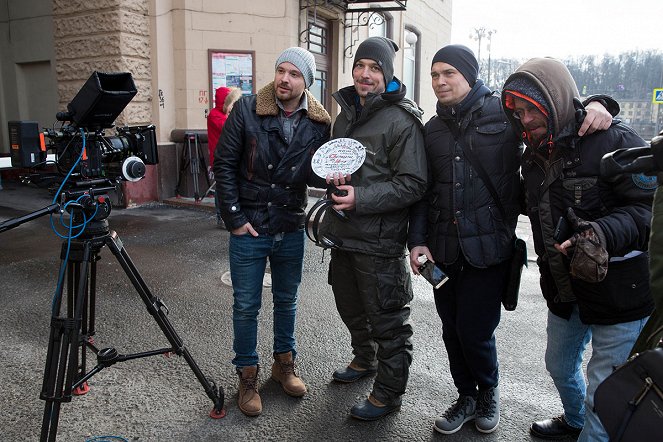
(225, 97)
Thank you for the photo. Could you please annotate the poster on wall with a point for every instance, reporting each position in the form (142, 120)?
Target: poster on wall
(231, 69)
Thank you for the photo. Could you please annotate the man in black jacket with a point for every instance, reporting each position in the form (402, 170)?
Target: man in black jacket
(594, 278)
(368, 270)
(468, 229)
(262, 167)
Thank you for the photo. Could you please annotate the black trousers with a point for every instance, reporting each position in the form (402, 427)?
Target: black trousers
(372, 297)
(469, 305)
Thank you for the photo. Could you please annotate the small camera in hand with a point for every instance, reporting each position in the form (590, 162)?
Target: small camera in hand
(431, 272)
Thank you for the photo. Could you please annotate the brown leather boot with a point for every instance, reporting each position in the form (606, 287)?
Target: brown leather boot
(283, 372)
(248, 399)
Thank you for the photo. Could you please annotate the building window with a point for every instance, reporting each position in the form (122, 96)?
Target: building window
(319, 86)
(379, 25)
(411, 54)
(317, 39)
(319, 42)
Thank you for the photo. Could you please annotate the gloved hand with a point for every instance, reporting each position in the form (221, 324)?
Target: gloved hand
(590, 258)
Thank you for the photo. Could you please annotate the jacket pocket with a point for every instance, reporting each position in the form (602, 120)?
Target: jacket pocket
(581, 193)
(248, 193)
(491, 128)
(620, 296)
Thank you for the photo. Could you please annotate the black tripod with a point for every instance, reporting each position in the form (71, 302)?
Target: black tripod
(71, 333)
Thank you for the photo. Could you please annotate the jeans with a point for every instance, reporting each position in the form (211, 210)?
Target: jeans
(248, 259)
(567, 341)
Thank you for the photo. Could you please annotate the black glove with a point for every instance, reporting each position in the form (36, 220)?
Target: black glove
(590, 259)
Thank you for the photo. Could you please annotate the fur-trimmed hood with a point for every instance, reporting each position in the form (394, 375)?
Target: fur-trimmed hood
(266, 105)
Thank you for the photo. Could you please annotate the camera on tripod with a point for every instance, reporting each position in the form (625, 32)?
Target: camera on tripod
(81, 146)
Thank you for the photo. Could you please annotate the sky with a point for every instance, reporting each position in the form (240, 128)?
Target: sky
(558, 28)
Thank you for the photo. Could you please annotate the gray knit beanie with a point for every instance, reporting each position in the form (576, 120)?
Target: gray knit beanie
(302, 59)
(383, 51)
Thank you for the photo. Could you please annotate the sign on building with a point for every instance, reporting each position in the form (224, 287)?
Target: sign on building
(657, 97)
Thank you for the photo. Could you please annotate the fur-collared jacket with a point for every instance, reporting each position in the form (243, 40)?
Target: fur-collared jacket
(256, 183)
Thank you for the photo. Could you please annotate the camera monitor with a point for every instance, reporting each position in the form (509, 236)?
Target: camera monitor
(101, 99)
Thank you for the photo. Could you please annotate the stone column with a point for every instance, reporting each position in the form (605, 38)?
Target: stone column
(107, 36)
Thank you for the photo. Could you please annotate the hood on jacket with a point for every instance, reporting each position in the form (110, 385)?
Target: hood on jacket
(220, 96)
(348, 98)
(554, 85)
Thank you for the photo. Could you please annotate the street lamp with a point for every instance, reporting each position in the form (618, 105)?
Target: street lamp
(410, 38)
(490, 39)
(479, 33)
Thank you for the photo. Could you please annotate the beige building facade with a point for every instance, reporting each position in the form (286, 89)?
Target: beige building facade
(179, 50)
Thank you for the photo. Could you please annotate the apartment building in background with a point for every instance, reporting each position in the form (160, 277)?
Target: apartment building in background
(179, 51)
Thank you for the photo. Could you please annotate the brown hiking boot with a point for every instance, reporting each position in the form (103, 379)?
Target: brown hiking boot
(283, 372)
(248, 399)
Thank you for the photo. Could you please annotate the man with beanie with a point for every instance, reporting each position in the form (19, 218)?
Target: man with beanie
(466, 224)
(262, 167)
(595, 277)
(368, 269)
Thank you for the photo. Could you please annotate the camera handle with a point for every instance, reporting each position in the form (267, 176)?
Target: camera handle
(646, 159)
(15, 222)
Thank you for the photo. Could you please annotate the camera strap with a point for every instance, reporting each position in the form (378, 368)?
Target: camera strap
(313, 218)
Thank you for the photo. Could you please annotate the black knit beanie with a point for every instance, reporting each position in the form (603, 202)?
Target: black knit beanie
(462, 58)
(382, 50)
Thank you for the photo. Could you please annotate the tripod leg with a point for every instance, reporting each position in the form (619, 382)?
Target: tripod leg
(156, 308)
(193, 162)
(63, 346)
(210, 189)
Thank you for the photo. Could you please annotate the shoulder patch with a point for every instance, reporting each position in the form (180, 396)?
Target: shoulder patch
(643, 181)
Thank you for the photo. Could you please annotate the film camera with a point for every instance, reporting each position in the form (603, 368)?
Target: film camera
(81, 146)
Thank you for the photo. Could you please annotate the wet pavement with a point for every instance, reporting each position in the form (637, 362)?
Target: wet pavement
(182, 255)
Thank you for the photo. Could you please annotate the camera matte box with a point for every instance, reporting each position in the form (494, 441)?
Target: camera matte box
(101, 99)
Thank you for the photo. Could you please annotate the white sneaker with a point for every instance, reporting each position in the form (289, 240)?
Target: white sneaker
(267, 280)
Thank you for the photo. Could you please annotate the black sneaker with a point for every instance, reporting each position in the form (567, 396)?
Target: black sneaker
(488, 410)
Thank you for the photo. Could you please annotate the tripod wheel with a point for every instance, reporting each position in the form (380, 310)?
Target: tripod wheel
(82, 389)
(217, 414)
